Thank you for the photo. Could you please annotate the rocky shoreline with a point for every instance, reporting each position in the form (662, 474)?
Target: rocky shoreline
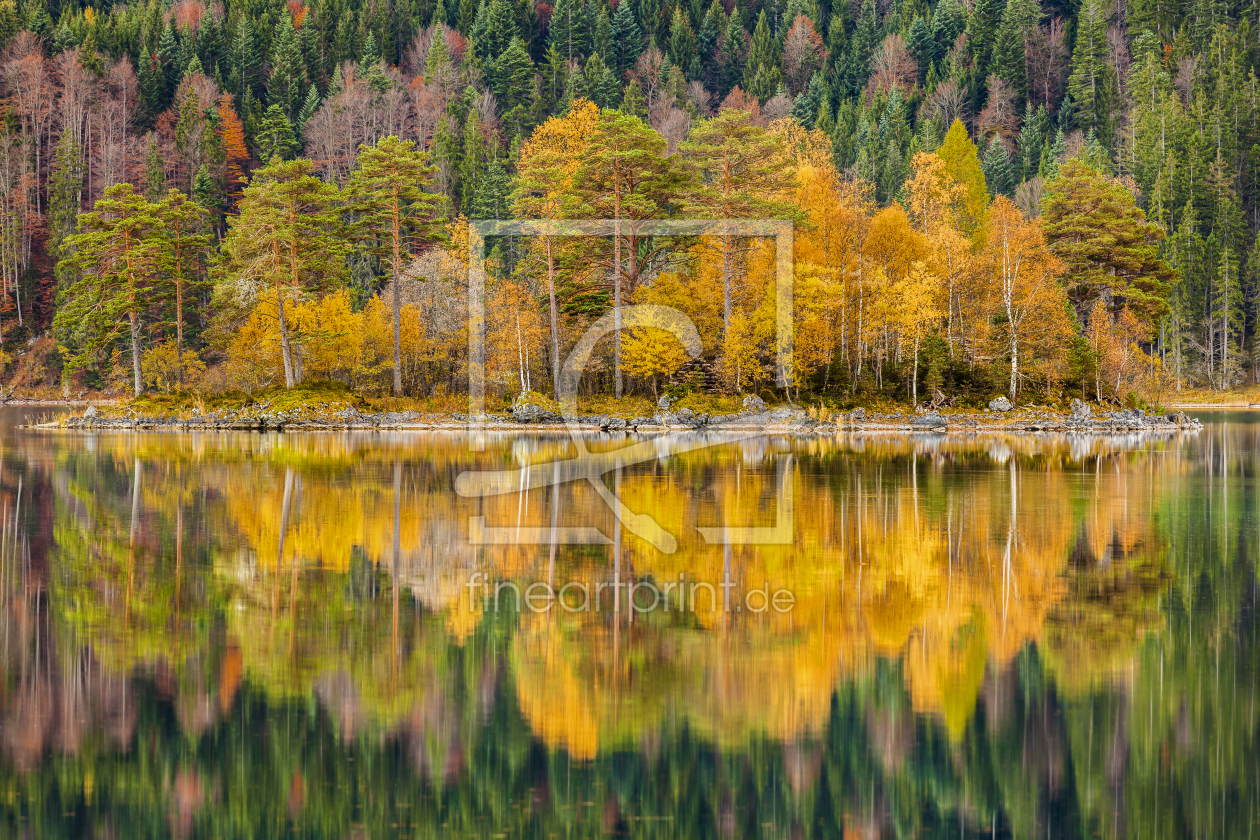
(755, 416)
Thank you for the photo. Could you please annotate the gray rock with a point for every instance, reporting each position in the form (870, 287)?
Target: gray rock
(1080, 410)
(530, 413)
(754, 403)
(641, 421)
(664, 403)
(857, 414)
(1000, 404)
(90, 413)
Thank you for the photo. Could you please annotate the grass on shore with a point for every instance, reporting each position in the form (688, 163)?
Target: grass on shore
(313, 399)
(1235, 397)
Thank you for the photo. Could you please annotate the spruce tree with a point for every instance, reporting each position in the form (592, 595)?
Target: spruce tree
(1031, 140)
(276, 139)
(862, 46)
(286, 84)
(65, 190)
(730, 61)
(996, 164)
(981, 28)
(1017, 21)
(710, 28)
(762, 74)
(682, 45)
(473, 163)
(493, 195)
(513, 76)
(601, 35)
(243, 61)
(922, 45)
(1091, 84)
(568, 29)
(627, 39)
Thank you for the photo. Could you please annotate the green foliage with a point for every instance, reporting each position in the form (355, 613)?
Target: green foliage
(1112, 252)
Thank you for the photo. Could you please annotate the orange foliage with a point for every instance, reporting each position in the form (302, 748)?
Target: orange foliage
(232, 135)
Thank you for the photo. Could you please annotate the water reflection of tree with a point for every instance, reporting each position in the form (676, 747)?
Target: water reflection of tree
(965, 684)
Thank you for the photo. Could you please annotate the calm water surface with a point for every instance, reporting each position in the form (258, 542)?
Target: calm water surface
(266, 636)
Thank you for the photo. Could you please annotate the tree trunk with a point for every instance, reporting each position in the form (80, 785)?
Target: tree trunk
(135, 351)
(286, 352)
(726, 287)
(617, 300)
(179, 328)
(397, 302)
(555, 321)
(914, 374)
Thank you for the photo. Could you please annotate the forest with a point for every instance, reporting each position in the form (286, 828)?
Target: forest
(1042, 201)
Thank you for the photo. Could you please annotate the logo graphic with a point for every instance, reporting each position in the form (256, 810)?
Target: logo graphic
(592, 466)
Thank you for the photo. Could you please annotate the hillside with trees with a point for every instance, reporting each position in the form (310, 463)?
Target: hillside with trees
(1044, 200)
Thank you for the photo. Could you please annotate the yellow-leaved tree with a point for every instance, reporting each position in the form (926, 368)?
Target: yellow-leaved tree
(545, 190)
(1033, 315)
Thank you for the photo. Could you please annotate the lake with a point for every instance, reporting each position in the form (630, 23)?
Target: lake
(355, 635)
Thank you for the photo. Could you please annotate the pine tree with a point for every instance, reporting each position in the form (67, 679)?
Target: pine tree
(285, 238)
(743, 174)
(115, 255)
(388, 188)
(1112, 252)
(626, 175)
(181, 244)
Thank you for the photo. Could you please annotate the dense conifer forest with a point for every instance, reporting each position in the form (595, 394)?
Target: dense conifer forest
(1055, 199)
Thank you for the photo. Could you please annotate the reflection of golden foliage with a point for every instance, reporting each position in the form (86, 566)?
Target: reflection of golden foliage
(950, 557)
